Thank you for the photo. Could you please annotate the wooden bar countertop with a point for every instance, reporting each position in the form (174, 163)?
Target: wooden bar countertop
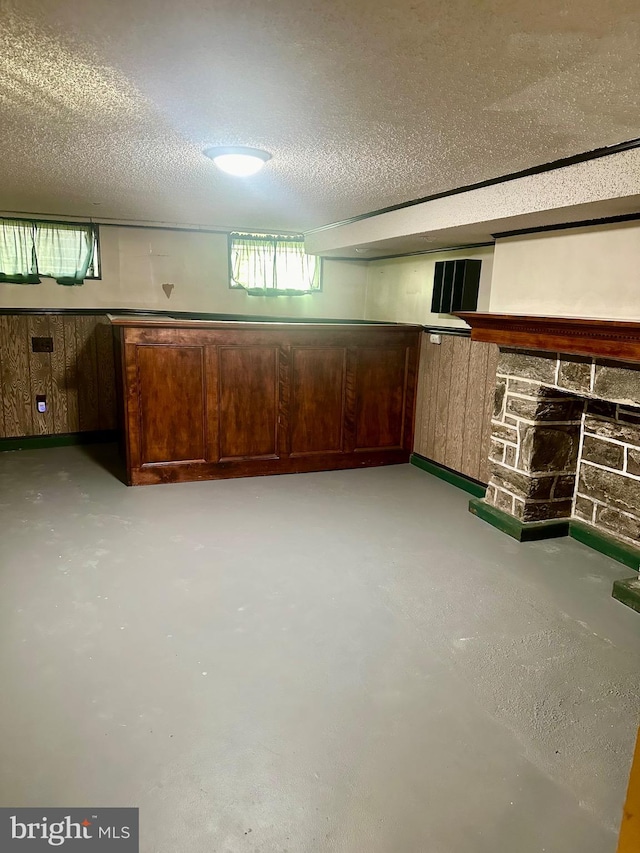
(146, 321)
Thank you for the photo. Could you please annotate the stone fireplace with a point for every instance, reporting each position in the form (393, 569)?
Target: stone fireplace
(565, 433)
(566, 441)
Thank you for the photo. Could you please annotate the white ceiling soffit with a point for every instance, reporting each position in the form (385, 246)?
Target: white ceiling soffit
(107, 106)
(608, 186)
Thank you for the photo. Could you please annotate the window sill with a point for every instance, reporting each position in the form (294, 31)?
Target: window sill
(270, 293)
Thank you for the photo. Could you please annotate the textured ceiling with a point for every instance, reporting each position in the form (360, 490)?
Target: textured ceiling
(106, 106)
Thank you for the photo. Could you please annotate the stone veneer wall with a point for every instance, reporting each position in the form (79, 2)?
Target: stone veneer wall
(566, 441)
(608, 490)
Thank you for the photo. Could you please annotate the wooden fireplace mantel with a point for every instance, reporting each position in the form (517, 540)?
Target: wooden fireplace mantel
(616, 339)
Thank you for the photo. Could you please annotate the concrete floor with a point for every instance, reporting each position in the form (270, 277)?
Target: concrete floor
(345, 661)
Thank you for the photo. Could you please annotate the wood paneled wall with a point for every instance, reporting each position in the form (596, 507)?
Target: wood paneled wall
(78, 377)
(456, 383)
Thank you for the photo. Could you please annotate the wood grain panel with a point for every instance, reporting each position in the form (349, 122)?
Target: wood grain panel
(422, 395)
(212, 384)
(432, 410)
(87, 373)
(409, 407)
(317, 399)
(489, 394)
(16, 383)
(196, 470)
(2, 357)
(315, 390)
(106, 374)
(453, 424)
(71, 377)
(470, 463)
(380, 397)
(629, 841)
(284, 400)
(350, 401)
(442, 399)
(58, 375)
(77, 377)
(457, 408)
(172, 406)
(41, 382)
(248, 416)
(131, 419)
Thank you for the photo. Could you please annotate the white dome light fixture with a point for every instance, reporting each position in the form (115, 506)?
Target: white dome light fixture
(237, 160)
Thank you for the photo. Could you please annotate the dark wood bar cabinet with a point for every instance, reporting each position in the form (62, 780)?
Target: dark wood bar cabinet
(204, 399)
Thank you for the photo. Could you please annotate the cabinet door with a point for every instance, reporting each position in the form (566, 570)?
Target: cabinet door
(172, 411)
(317, 400)
(380, 379)
(248, 402)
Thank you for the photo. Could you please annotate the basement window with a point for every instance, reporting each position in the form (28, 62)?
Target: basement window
(65, 251)
(273, 265)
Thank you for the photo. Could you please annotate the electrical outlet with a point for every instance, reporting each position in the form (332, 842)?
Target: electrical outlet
(42, 344)
(435, 339)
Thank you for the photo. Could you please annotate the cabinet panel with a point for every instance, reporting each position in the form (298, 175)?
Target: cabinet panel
(207, 399)
(172, 412)
(380, 397)
(317, 399)
(248, 410)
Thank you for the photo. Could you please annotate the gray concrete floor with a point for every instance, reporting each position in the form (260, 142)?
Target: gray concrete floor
(345, 661)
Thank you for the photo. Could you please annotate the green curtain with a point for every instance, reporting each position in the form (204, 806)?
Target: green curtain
(29, 249)
(64, 251)
(273, 265)
(17, 256)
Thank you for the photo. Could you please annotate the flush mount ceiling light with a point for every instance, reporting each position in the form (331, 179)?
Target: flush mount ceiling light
(237, 160)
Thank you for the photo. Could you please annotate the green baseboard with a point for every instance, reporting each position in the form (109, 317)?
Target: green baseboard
(32, 442)
(627, 591)
(473, 487)
(533, 530)
(523, 531)
(578, 530)
(609, 545)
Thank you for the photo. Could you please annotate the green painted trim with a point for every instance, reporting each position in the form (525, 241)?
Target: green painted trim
(627, 591)
(609, 545)
(473, 487)
(32, 442)
(584, 533)
(523, 531)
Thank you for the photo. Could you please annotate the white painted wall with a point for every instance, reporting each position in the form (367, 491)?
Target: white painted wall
(136, 261)
(579, 272)
(400, 289)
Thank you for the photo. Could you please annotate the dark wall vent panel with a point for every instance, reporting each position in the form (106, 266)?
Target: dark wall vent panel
(455, 286)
